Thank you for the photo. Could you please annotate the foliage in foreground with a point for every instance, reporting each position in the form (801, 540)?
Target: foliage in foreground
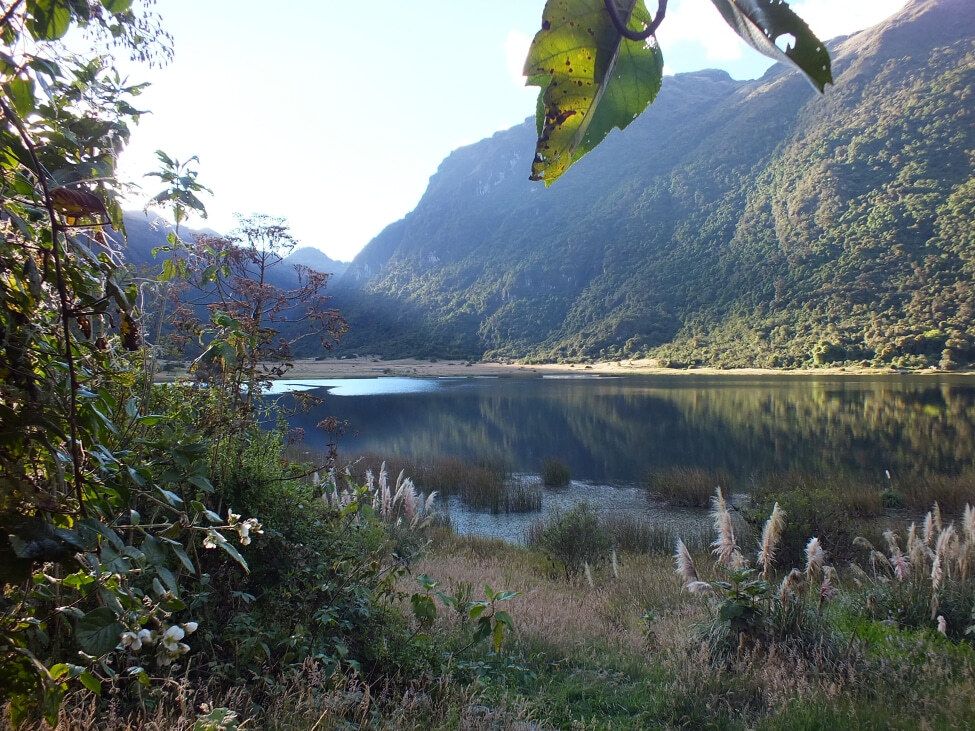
(131, 552)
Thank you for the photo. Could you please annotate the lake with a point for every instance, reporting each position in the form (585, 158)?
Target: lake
(614, 432)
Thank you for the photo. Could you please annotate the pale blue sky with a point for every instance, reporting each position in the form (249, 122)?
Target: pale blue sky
(335, 113)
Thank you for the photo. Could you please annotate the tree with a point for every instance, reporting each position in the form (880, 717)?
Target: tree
(258, 307)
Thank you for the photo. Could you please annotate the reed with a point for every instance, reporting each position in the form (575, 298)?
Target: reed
(690, 487)
(951, 492)
(482, 485)
(635, 534)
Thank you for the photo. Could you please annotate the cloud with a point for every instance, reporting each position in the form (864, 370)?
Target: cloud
(698, 22)
(831, 18)
(516, 46)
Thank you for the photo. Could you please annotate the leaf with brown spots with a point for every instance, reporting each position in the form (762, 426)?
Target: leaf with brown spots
(592, 79)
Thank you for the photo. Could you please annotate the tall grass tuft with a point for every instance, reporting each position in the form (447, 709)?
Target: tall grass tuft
(636, 534)
(751, 615)
(951, 492)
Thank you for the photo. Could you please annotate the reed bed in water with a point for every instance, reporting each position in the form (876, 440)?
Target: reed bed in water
(690, 487)
(481, 485)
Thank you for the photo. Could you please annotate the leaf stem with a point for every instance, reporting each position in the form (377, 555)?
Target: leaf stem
(635, 35)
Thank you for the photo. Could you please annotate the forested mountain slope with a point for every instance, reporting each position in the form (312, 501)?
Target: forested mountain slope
(736, 223)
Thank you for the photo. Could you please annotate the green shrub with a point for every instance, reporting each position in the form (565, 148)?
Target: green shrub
(573, 539)
(835, 510)
(555, 473)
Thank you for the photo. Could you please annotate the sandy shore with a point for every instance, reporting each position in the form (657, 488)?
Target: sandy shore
(369, 368)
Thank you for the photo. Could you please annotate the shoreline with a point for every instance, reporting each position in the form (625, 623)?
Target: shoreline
(366, 367)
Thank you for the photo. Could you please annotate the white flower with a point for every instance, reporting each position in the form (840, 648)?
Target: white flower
(135, 640)
(190, 627)
(213, 539)
(247, 527)
(171, 639)
(232, 518)
(131, 641)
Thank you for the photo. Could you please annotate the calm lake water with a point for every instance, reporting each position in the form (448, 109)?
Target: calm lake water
(614, 432)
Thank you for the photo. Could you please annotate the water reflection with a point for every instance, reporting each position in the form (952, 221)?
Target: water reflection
(617, 431)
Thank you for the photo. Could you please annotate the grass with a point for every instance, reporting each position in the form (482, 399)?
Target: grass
(951, 492)
(690, 487)
(627, 654)
(637, 535)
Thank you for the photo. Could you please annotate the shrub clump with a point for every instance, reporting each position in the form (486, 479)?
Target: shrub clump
(555, 473)
(837, 511)
(573, 539)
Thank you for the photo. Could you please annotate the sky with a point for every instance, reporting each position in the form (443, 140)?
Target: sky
(334, 114)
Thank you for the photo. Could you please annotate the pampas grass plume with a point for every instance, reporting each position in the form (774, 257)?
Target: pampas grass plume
(685, 564)
(815, 558)
(771, 534)
(725, 545)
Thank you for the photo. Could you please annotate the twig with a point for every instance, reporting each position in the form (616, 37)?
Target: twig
(10, 12)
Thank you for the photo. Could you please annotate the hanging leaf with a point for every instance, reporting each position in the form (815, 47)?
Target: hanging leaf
(761, 23)
(593, 79)
(117, 6)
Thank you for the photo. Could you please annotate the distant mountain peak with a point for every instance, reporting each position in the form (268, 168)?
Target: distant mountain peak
(316, 259)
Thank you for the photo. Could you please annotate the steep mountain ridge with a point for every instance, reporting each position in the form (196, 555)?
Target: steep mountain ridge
(735, 223)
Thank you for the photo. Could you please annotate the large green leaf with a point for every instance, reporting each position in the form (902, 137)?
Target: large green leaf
(761, 23)
(593, 80)
(98, 631)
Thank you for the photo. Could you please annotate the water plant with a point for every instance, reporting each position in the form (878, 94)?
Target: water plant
(686, 486)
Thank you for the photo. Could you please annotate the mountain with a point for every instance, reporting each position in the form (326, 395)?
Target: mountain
(735, 223)
(146, 231)
(313, 258)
